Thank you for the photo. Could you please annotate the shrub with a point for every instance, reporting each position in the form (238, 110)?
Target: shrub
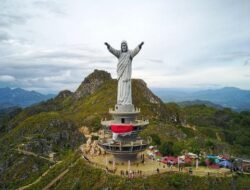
(155, 139)
(166, 148)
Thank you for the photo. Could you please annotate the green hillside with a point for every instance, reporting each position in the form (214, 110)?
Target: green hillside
(84, 176)
(53, 127)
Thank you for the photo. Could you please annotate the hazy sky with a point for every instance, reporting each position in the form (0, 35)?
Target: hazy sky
(51, 45)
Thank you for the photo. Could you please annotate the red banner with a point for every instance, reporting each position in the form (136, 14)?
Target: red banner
(121, 128)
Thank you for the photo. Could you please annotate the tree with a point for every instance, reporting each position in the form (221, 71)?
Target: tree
(166, 148)
(155, 139)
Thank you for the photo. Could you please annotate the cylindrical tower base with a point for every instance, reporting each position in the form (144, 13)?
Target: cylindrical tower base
(125, 157)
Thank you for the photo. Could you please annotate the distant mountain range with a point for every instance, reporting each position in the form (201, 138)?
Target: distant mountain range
(20, 97)
(234, 98)
(231, 97)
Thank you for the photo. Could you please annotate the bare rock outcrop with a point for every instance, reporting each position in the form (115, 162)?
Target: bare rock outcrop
(91, 83)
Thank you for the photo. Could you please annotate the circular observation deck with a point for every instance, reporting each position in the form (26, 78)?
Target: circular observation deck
(120, 148)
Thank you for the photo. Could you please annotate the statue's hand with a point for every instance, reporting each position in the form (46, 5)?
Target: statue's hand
(106, 44)
(141, 44)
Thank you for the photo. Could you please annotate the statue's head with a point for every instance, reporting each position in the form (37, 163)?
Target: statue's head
(124, 46)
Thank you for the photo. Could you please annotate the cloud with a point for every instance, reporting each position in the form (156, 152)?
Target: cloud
(54, 69)
(7, 78)
(13, 13)
(4, 36)
(227, 57)
(9, 19)
(51, 6)
(51, 45)
(155, 60)
(247, 62)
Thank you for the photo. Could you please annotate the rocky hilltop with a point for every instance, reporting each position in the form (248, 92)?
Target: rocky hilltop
(33, 139)
(91, 83)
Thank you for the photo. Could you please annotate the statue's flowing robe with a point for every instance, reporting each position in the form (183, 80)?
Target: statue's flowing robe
(124, 71)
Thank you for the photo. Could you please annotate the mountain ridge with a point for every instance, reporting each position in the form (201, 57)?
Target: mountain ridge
(20, 97)
(232, 97)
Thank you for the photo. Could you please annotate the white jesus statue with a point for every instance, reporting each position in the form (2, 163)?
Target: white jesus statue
(124, 71)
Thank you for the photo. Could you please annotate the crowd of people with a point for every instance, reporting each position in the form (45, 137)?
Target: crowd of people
(130, 173)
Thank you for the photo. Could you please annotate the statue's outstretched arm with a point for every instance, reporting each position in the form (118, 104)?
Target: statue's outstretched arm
(113, 50)
(135, 51)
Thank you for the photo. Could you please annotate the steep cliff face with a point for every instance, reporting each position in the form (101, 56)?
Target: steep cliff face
(146, 92)
(91, 83)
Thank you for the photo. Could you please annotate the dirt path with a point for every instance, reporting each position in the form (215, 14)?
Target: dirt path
(33, 154)
(218, 136)
(39, 178)
(56, 179)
